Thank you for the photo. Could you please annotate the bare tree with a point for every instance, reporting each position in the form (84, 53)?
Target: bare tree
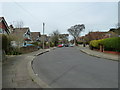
(19, 24)
(55, 37)
(75, 31)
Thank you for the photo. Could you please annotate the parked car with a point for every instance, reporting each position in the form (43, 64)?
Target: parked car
(66, 45)
(60, 45)
(71, 45)
(28, 45)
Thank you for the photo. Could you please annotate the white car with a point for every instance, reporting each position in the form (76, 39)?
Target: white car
(71, 45)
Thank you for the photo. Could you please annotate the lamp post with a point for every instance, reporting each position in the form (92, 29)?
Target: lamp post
(43, 35)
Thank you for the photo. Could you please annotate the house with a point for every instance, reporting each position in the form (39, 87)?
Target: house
(44, 37)
(35, 36)
(92, 36)
(96, 35)
(23, 36)
(80, 39)
(11, 28)
(114, 32)
(4, 29)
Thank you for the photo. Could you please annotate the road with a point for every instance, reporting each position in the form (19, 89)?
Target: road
(68, 67)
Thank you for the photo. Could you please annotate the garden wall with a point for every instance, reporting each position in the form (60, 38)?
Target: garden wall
(28, 49)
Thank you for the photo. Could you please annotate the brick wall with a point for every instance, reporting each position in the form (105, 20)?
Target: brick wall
(28, 49)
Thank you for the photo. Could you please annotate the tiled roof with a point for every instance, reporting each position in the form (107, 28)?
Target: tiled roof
(35, 35)
(19, 32)
(2, 21)
(1, 18)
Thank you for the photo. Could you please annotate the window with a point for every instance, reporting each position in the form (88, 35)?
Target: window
(1, 31)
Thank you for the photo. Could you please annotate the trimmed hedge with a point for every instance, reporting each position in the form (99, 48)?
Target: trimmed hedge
(111, 44)
(6, 45)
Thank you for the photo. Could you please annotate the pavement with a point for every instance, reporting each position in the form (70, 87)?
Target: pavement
(16, 71)
(99, 54)
(0, 75)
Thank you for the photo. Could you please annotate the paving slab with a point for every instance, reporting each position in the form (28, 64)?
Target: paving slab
(98, 54)
(0, 75)
(15, 71)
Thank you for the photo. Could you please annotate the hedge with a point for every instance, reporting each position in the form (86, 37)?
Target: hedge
(5, 42)
(112, 44)
(6, 45)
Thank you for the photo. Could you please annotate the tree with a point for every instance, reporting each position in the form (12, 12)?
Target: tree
(75, 31)
(63, 38)
(19, 24)
(55, 37)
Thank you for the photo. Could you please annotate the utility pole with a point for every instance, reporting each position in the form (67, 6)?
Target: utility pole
(43, 35)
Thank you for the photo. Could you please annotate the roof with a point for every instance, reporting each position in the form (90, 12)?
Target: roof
(35, 35)
(19, 32)
(11, 26)
(44, 35)
(97, 32)
(2, 21)
(1, 18)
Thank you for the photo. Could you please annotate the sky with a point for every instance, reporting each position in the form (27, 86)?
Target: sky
(96, 16)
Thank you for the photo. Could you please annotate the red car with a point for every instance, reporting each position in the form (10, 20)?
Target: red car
(60, 45)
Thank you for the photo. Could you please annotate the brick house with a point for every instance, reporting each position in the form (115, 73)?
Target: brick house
(11, 28)
(113, 32)
(92, 36)
(35, 36)
(4, 29)
(96, 35)
(80, 39)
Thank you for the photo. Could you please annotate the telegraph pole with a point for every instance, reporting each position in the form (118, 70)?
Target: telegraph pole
(43, 35)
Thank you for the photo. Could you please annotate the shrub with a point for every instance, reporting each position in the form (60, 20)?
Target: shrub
(6, 45)
(6, 42)
(95, 43)
(52, 44)
(14, 51)
(111, 44)
(79, 42)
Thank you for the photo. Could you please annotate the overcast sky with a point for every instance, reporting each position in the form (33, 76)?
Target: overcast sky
(97, 16)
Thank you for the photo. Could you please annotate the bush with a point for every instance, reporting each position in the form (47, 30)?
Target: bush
(111, 44)
(95, 43)
(52, 44)
(36, 43)
(6, 42)
(6, 45)
(79, 42)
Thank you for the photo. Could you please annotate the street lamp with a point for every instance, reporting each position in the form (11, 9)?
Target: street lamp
(43, 35)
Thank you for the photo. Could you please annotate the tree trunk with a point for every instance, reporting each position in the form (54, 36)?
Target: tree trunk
(101, 48)
(75, 41)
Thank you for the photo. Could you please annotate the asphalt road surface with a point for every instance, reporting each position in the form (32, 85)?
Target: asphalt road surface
(68, 67)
